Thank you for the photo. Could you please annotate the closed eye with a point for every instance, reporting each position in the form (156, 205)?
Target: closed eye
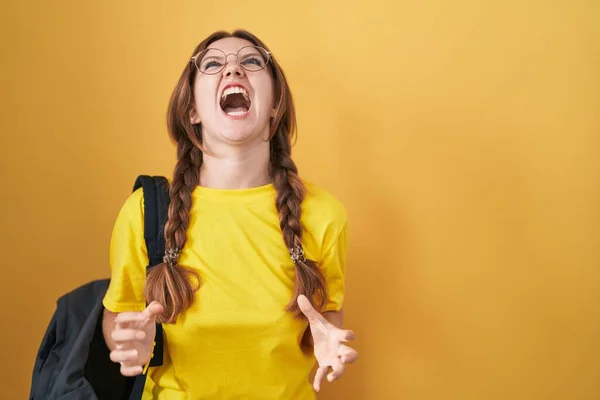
(211, 63)
(256, 60)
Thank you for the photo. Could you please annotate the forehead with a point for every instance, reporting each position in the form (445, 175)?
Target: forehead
(230, 45)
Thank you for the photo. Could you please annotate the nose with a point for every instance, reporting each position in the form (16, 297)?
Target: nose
(232, 67)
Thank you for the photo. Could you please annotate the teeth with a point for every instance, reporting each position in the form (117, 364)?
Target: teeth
(237, 113)
(235, 89)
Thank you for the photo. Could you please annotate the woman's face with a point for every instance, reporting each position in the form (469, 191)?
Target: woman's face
(234, 105)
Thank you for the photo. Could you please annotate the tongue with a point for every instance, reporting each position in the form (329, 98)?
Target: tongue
(234, 109)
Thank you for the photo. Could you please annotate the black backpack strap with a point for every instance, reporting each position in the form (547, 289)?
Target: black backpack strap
(156, 204)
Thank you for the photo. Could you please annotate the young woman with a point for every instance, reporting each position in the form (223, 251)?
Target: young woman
(252, 284)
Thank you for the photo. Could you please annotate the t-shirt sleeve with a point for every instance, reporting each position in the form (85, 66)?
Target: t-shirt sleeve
(333, 265)
(128, 258)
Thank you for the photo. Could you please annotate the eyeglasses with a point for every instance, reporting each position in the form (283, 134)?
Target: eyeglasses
(213, 61)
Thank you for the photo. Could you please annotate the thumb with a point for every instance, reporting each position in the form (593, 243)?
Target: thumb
(153, 310)
(307, 308)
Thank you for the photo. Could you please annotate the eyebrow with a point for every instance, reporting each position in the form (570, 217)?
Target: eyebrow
(253, 54)
(205, 58)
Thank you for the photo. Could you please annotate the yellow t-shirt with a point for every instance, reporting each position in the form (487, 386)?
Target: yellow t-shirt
(236, 341)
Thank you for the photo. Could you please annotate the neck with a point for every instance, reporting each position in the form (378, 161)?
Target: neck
(237, 168)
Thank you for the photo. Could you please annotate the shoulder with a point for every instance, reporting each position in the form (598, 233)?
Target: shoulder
(135, 201)
(320, 201)
(132, 209)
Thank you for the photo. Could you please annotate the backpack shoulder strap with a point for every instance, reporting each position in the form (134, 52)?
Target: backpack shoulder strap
(156, 205)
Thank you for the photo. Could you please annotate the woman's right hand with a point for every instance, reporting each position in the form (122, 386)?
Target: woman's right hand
(133, 336)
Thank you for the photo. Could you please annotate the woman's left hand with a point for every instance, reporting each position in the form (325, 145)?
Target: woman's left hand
(329, 344)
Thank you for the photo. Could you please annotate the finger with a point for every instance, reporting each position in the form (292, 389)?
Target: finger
(124, 319)
(338, 369)
(153, 310)
(307, 309)
(131, 371)
(126, 357)
(319, 375)
(126, 335)
(347, 354)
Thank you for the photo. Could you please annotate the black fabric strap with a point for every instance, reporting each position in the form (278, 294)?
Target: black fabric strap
(156, 204)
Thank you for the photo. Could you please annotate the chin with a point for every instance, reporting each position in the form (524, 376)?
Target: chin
(241, 135)
(241, 131)
(237, 137)
(238, 131)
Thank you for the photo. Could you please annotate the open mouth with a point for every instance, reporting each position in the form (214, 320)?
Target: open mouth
(235, 101)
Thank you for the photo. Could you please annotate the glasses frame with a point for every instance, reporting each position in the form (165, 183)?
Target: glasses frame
(195, 58)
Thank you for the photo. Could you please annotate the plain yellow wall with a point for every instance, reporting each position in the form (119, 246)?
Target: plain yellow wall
(463, 137)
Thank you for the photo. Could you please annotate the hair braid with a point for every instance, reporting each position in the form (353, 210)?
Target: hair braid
(290, 194)
(168, 282)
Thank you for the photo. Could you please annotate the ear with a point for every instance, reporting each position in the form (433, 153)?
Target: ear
(274, 111)
(194, 117)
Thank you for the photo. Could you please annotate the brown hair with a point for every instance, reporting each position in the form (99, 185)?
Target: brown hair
(170, 283)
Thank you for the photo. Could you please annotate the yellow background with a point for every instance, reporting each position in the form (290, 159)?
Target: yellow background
(463, 137)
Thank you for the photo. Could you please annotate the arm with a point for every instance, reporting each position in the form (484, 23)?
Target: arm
(330, 342)
(128, 328)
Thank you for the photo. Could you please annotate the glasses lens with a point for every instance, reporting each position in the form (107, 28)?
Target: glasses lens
(253, 58)
(210, 61)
